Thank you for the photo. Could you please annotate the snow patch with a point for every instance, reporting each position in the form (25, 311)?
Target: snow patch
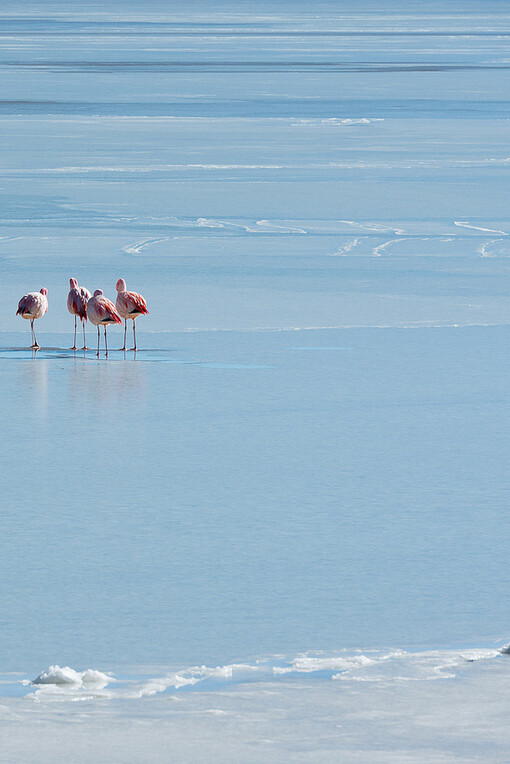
(373, 227)
(56, 675)
(266, 224)
(137, 246)
(343, 250)
(464, 224)
(377, 251)
(336, 121)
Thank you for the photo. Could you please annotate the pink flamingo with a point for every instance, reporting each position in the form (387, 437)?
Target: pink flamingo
(101, 312)
(31, 306)
(77, 300)
(130, 305)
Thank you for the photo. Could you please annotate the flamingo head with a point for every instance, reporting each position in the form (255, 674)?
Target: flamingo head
(44, 291)
(121, 285)
(98, 293)
(73, 283)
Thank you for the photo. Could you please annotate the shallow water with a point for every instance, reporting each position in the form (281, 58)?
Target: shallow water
(309, 451)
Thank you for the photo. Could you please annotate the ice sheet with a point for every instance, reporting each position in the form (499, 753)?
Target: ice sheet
(309, 452)
(252, 492)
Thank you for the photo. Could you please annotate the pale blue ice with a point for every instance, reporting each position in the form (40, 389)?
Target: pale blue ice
(310, 451)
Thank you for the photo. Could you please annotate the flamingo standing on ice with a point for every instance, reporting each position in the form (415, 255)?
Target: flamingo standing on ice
(101, 312)
(31, 306)
(130, 305)
(77, 300)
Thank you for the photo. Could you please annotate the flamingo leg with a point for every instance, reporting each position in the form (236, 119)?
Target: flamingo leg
(134, 336)
(74, 343)
(84, 338)
(97, 342)
(105, 342)
(125, 330)
(34, 338)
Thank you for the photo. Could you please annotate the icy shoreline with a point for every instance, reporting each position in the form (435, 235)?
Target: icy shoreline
(65, 683)
(430, 706)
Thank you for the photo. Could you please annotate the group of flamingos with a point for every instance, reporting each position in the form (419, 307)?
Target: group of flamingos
(98, 309)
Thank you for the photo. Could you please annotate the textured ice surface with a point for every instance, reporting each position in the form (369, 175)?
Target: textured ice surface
(391, 706)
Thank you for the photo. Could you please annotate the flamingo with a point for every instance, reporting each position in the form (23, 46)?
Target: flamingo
(31, 306)
(101, 312)
(130, 305)
(77, 300)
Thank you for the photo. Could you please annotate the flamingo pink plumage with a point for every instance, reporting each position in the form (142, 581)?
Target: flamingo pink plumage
(31, 306)
(77, 300)
(130, 305)
(101, 312)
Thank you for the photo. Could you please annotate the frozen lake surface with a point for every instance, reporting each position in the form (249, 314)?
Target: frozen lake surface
(280, 528)
(228, 494)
